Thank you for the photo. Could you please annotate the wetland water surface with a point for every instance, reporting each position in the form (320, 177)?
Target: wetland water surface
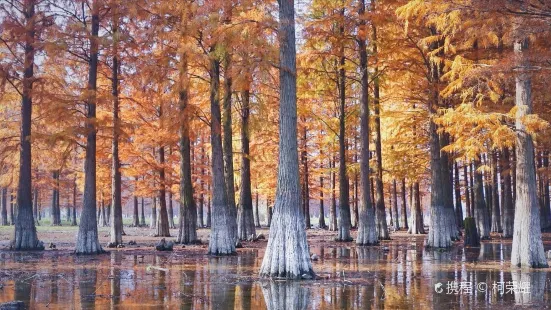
(397, 276)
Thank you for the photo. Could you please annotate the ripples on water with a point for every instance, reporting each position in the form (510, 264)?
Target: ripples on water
(399, 276)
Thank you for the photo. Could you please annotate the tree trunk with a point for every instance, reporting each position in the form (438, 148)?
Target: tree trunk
(163, 228)
(4, 202)
(56, 221)
(471, 234)
(305, 179)
(200, 210)
(447, 185)
(344, 220)
(87, 240)
(287, 253)
(142, 216)
(136, 213)
(496, 212)
(227, 147)
(468, 207)
(321, 221)
(404, 207)
(395, 205)
(416, 227)
(471, 174)
(222, 239)
(209, 209)
(115, 217)
(481, 210)
(527, 243)
(256, 214)
(245, 217)
(13, 199)
(103, 213)
(546, 201)
(439, 235)
(333, 206)
(153, 223)
(35, 205)
(74, 213)
(171, 211)
(458, 204)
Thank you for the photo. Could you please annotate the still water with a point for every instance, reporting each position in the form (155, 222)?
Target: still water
(397, 276)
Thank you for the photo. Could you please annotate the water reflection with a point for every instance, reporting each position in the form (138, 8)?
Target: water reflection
(393, 276)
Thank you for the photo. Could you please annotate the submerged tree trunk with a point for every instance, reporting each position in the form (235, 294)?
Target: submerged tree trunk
(367, 233)
(481, 211)
(527, 243)
(287, 253)
(87, 240)
(115, 217)
(245, 217)
(222, 239)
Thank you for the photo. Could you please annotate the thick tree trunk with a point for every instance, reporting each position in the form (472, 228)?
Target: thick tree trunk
(115, 217)
(287, 254)
(227, 146)
(87, 239)
(527, 243)
(472, 239)
(245, 217)
(416, 226)
(344, 220)
(439, 234)
(163, 228)
(496, 212)
(404, 206)
(333, 206)
(458, 204)
(25, 237)
(286, 296)
(222, 239)
(4, 202)
(447, 185)
(481, 210)
(367, 233)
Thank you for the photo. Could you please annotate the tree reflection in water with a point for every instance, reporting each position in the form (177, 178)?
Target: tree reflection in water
(285, 295)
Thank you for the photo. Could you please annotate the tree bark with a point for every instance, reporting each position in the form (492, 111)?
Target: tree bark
(458, 204)
(115, 217)
(404, 206)
(395, 205)
(305, 179)
(546, 201)
(245, 217)
(344, 220)
(380, 212)
(416, 227)
(200, 210)
(321, 221)
(4, 202)
(227, 145)
(468, 207)
(136, 213)
(496, 212)
(87, 240)
(142, 215)
(74, 213)
(333, 206)
(256, 214)
(527, 243)
(287, 254)
(163, 228)
(222, 239)
(153, 223)
(481, 209)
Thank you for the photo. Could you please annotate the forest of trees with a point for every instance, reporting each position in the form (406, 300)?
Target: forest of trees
(348, 115)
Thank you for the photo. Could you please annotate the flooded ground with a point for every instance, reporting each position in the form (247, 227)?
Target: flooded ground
(399, 274)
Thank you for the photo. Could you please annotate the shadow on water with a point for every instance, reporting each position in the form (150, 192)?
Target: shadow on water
(395, 276)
